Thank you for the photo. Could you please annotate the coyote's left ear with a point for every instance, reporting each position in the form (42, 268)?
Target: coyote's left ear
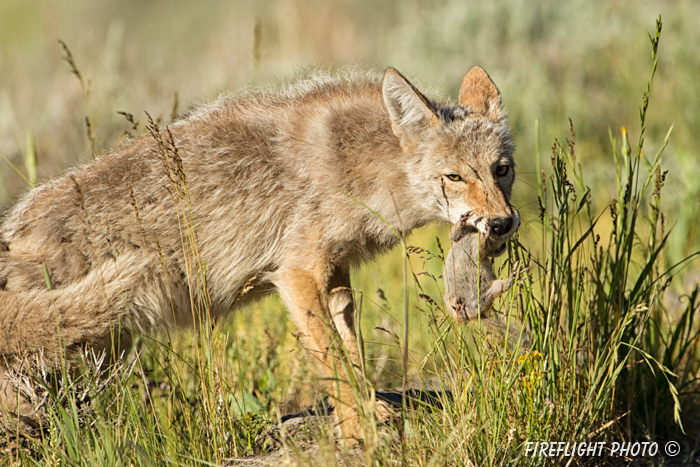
(410, 111)
(480, 94)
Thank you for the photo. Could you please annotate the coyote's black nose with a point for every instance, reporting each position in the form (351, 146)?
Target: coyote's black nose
(501, 225)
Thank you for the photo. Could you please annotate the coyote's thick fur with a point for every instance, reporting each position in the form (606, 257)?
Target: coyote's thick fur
(275, 190)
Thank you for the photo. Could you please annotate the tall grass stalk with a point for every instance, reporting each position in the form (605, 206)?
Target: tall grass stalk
(85, 90)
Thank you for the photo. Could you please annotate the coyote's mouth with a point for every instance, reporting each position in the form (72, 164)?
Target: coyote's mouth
(493, 245)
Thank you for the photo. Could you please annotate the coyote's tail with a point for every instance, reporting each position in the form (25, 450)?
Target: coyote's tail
(47, 321)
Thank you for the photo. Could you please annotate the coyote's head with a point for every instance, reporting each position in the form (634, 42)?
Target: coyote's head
(458, 158)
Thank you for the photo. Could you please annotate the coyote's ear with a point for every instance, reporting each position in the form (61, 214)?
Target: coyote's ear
(480, 94)
(409, 110)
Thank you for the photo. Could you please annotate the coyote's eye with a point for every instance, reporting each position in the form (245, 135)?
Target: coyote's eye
(502, 170)
(454, 177)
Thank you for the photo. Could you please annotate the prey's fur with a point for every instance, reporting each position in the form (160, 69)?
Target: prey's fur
(470, 282)
(471, 285)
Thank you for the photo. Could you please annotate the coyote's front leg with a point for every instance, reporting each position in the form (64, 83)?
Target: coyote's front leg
(307, 296)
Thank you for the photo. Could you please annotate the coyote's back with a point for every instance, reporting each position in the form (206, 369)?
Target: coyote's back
(110, 233)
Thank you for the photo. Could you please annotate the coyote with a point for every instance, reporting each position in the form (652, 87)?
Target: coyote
(277, 190)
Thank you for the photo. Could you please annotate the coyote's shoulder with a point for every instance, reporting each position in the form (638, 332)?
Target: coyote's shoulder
(270, 189)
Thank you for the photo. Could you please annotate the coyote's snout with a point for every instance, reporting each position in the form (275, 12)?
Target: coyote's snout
(285, 190)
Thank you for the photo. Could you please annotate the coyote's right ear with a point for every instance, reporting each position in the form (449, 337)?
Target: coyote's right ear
(409, 110)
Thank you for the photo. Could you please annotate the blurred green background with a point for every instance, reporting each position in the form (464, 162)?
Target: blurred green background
(552, 60)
